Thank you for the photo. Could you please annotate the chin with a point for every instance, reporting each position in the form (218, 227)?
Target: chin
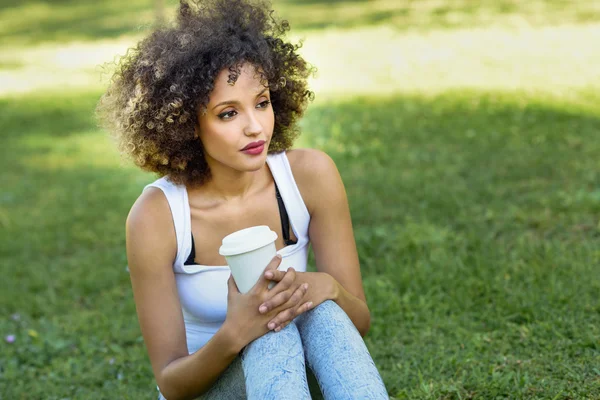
(249, 164)
(258, 163)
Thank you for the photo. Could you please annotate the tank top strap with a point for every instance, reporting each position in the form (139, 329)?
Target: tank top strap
(294, 204)
(180, 211)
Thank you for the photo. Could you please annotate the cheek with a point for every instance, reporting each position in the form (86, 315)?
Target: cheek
(216, 135)
(269, 120)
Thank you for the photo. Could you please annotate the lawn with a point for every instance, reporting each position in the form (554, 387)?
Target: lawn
(469, 143)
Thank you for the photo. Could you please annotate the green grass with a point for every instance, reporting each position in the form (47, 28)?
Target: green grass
(471, 158)
(476, 219)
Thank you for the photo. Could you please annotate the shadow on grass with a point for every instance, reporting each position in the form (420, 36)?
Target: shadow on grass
(35, 22)
(49, 115)
(319, 2)
(473, 215)
(30, 22)
(17, 3)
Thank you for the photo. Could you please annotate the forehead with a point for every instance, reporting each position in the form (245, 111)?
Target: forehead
(248, 83)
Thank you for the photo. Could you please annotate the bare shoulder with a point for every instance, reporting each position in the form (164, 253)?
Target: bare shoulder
(150, 208)
(150, 221)
(308, 164)
(315, 174)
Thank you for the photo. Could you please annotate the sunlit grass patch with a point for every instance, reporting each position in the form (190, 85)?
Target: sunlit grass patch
(424, 15)
(545, 60)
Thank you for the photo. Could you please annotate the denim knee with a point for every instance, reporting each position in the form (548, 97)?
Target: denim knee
(274, 366)
(328, 311)
(329, 306)
(288, 339)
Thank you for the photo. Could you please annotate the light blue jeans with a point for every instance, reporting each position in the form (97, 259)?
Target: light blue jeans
(275, 366)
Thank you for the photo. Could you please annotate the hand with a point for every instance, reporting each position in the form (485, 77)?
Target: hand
(322, 287)
(285, 279)
(243, 316)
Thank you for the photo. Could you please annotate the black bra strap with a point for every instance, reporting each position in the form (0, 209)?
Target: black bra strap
(285, 221)
(285, 228)
(192, 256)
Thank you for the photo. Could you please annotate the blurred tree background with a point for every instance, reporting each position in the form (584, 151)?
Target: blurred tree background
(468, 136)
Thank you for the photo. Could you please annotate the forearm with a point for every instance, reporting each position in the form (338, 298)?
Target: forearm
(189, 377)
(357, 310)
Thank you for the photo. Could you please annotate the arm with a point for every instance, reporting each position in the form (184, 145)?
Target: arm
(331, 234)
(151, 249)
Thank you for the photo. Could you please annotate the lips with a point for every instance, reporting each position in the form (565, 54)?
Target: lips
(254, 145)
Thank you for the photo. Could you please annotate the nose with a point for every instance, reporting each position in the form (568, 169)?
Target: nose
(253, 126)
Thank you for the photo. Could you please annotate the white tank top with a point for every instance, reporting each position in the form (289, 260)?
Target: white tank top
(203, 288)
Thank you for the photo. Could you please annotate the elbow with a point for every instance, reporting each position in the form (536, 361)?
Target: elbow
(171, 393)
(366, 326)
(166, 390)
(364, 329)
(169, 390)
(363, 323)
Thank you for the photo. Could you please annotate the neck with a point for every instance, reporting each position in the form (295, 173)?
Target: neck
(229, 184)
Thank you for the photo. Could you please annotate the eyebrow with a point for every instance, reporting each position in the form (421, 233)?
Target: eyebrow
(237, 102)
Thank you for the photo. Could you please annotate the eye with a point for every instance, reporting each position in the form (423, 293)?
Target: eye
(227, 115)
(263, 104)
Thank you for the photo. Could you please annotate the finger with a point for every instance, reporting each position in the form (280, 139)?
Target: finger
(300, 310)
(282, 318)
(286, 297)
(264, 282)
(290, 309)
(288, 280)
(304, 308)
(283, 296)
(274, 275)
(284, 301)
(276, 301)
(298, 295)
(280, 327)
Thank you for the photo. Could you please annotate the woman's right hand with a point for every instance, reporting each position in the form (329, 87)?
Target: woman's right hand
(242, 308)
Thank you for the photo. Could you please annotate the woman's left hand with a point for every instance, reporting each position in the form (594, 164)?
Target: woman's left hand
(321, 287)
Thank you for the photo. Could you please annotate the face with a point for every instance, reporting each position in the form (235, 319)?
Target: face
(236, 117)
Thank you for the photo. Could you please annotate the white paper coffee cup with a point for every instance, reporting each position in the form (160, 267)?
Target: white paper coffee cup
(248, 252)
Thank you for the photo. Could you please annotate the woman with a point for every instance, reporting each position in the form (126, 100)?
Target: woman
(211, 105)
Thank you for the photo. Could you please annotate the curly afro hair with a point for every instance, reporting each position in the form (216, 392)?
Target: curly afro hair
(152, 101)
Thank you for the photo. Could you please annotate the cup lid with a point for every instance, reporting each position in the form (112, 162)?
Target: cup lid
(247, 240)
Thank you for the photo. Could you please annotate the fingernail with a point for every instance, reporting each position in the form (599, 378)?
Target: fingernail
(262, 309)
(305, 286)
(310, 304)
(278, 256)
(278, 329)
(271, 325)
(269, 275)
